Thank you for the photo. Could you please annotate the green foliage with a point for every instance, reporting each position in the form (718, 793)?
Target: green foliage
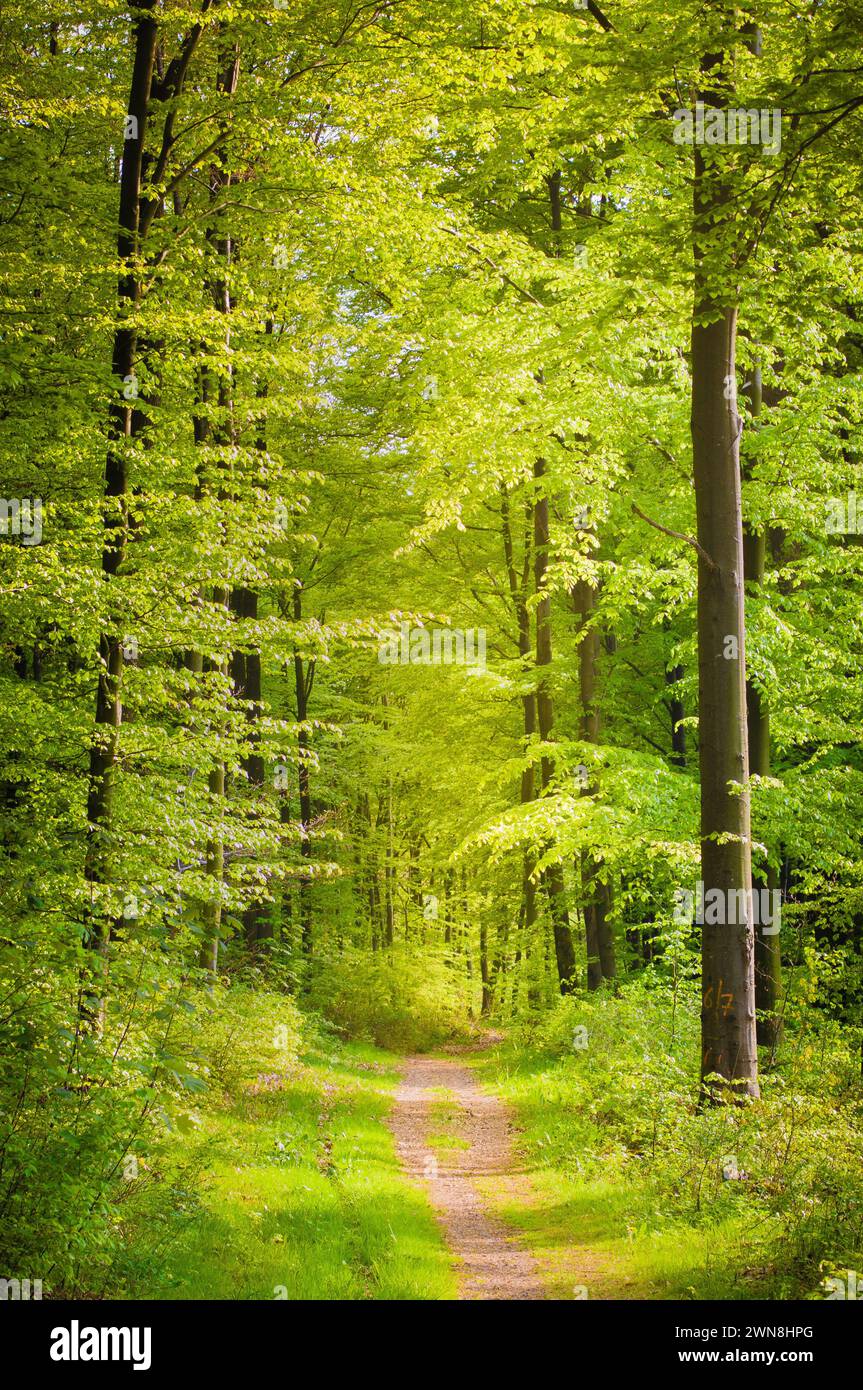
(418, 249)
(408, 1001)
(609, 1115)
(299, 1194)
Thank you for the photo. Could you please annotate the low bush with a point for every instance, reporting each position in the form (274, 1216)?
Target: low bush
(397, 999)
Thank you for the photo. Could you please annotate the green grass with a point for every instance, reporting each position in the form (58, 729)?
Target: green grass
(642, 1220)
(444, 1114)
(303, 1197)
(284, 1182)
(601, 1230)
(441, 1142)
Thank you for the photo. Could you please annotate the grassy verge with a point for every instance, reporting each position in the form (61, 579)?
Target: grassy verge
(632, 1196)
(298, 1193)
(594, 1236)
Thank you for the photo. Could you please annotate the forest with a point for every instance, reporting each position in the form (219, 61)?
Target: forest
(431, 650)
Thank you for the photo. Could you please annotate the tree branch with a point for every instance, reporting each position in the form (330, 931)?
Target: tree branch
(502, 273)
(678, 536)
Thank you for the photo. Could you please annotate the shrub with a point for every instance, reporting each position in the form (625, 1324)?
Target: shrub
(396, 999)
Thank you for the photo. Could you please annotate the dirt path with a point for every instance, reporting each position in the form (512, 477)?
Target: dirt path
(449, 1134)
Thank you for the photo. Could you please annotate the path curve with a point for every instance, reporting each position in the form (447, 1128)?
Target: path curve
(491, 1264)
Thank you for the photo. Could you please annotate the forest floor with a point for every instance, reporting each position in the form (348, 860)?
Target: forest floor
(458, 1140)
(359, 1174)
(299, 1194)
(485, 1171)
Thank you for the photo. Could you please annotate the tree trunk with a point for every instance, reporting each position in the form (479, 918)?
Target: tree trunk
(122, 424)
(485, 1007)
(518, 592)
(215, 862)
(676, 712)
(389, 872)
(246, 668)
(552, 877)
(257, 922)
(728, 976)
(599, 937)
(768, 949)
(303, 678)
(226, 82)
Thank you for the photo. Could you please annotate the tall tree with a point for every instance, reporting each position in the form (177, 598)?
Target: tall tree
(123, 421)
(728, 1041)
(552, 875)
(768, 946)
(596, 890)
